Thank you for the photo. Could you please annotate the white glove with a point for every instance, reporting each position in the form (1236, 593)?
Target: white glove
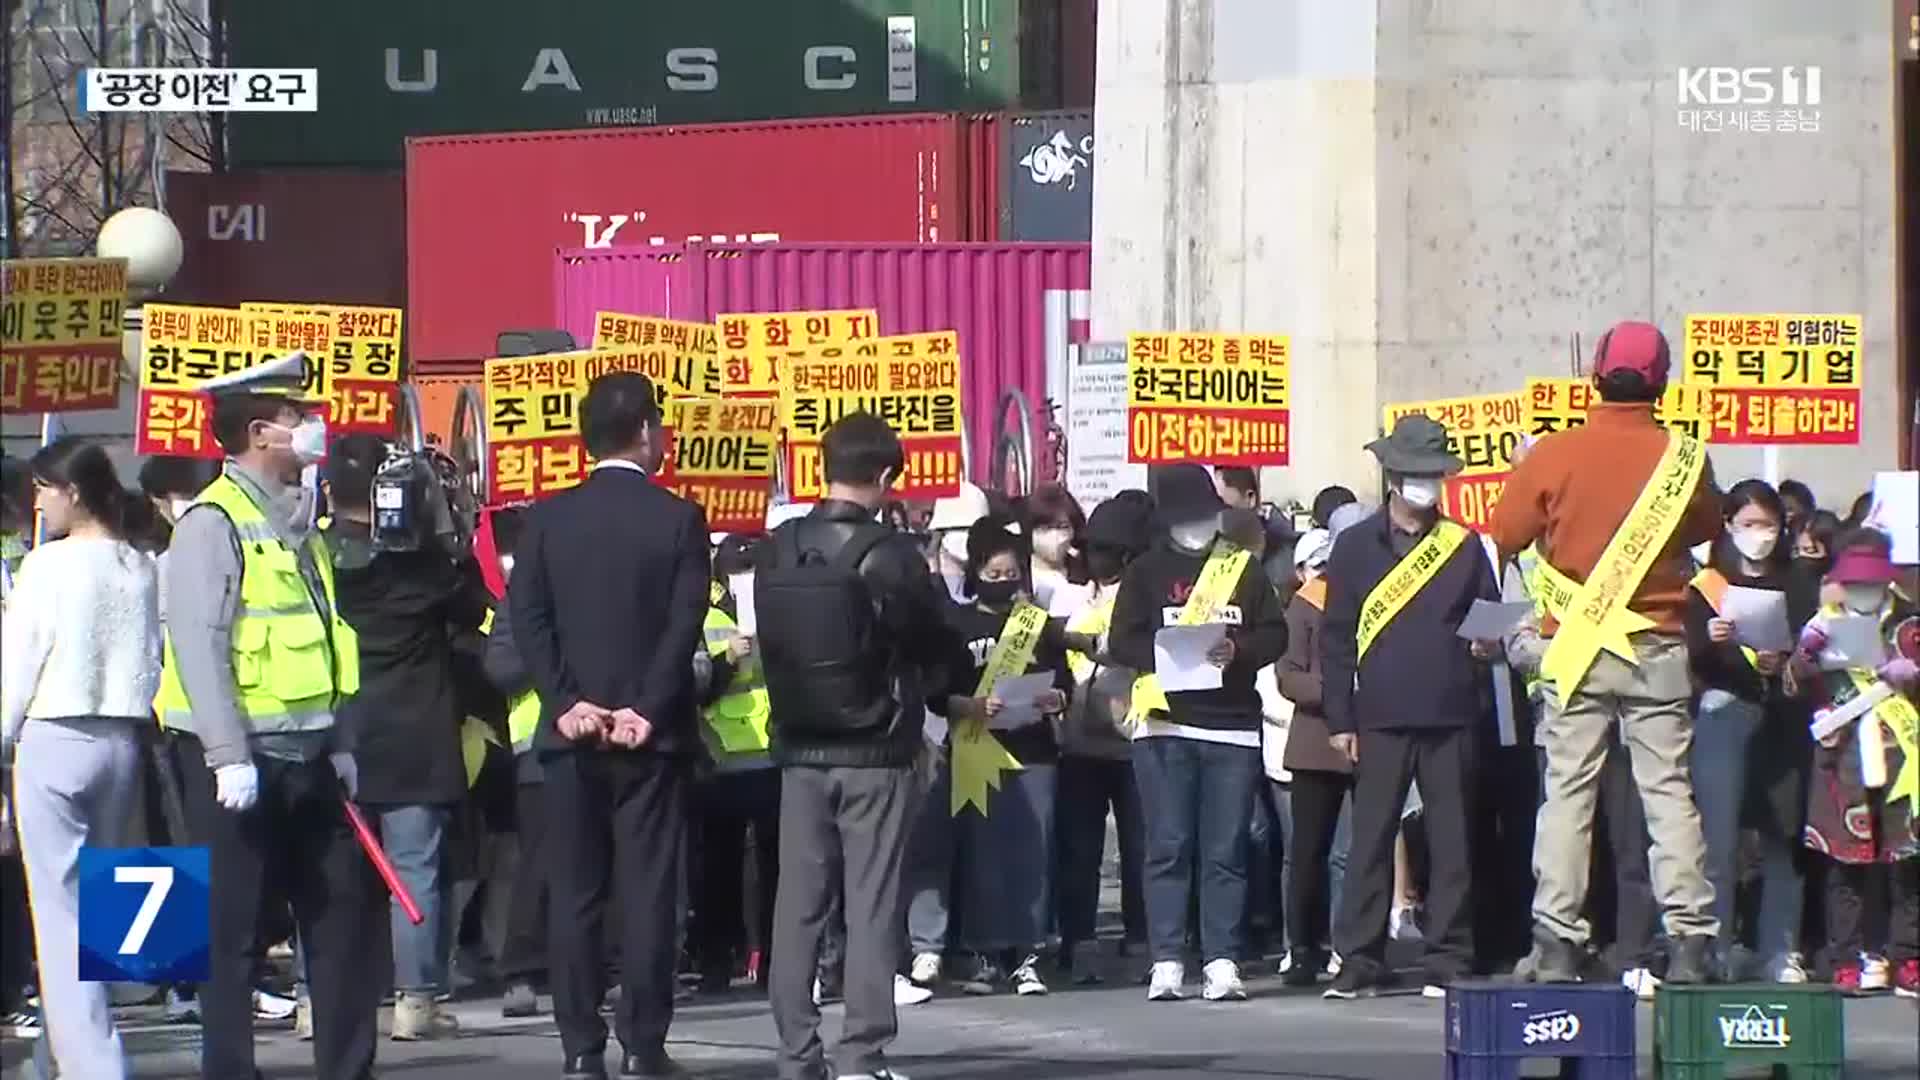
(348, 770)
(236, 787)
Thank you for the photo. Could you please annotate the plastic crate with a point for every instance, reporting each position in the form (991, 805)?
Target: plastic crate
(1492, 1027)
(1699, 1031)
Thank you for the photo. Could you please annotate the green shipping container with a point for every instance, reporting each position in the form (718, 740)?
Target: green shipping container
(393, 68)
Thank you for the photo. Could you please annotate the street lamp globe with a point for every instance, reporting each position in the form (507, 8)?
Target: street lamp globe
(150, 243)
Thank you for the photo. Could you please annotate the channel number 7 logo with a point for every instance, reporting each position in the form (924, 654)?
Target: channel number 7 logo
(143, 914)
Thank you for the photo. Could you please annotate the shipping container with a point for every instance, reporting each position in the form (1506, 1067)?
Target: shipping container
(1047, 184)
(328, 236)
(1013, 305)
(390, 70)
(487, 213)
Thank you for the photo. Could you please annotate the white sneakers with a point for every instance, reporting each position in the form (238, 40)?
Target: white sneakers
(1642, 982)
(908, 992)
(1875, 972)
(1404, 924)
(926, 968)
(271, 1006)
(883, 1074)
(1220, 981)
(1026, 978)
(1791, 971)
(1165, 982)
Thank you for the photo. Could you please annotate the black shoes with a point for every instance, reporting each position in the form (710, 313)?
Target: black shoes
(1691, 961)
(1556, 960)
(654, 1066)
(583, 1067)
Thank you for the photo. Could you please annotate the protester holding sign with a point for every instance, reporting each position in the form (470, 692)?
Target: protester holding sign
(1198, 618)
(1402, 693)
(1750, 749)
(1614, 505)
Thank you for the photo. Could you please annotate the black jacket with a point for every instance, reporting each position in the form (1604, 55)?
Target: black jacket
(411, 611)
(609, 591)
(925, 661)
(979, 630)
(1155, 586)
(1721, 665)
(1419, 673)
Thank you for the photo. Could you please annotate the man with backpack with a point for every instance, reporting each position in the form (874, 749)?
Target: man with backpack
(855, 650)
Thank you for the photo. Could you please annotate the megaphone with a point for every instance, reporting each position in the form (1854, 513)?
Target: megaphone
(287, 375)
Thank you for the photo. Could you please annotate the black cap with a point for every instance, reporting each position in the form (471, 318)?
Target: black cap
(1184, 493)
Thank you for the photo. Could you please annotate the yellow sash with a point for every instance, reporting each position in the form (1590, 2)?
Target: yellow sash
(1902, 719)
(1212, 591)
(1092, 621)
(978, 758)
(1711, 584)
(1597, 617)
(1407, 578)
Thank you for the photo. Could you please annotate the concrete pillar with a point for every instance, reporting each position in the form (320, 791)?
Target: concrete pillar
(1433, 197)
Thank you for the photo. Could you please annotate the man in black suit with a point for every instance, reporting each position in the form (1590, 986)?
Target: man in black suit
(608, 593)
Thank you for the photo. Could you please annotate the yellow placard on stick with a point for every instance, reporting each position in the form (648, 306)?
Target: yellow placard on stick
(60, 334)
(184, 347)
(685, 356)
(1220, 399)
(911, 381)
(363, 371)
(1778, 378)
(754, 345)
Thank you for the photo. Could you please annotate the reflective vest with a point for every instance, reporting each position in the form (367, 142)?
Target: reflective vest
(736, 723)
(523, 709)
(291, 663)
(1529, 563)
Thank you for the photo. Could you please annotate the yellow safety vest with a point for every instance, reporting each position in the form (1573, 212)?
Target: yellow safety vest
(523, 709)
(291, 663)
(736, 723)
(1529, 563)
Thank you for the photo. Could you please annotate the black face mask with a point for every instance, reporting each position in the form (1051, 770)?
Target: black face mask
(996, 594)
(1105, 564)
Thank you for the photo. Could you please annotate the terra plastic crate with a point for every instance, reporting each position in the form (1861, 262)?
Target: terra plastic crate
(1701, 1031)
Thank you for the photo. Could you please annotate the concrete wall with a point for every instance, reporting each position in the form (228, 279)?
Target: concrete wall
(1434, 196)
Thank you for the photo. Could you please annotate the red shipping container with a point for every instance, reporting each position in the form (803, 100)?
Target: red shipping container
(1016, 306)
(489, 211)
(318, 236)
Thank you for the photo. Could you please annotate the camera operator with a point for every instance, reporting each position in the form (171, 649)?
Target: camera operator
(407, 607)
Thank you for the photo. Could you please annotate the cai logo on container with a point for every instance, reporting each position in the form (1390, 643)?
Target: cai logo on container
(143, 914)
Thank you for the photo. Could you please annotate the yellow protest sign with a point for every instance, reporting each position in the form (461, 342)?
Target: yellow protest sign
(60, 334)
(183, 348)
(753, 345)
(1778, 378)
(722, 458)
(1221, 399)
(911, 381)
(363, 371)
(683, 357)
(1483, 431)
(1557, 404)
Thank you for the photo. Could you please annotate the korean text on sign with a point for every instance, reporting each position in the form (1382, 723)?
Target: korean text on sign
(1484, 432)
(1220, 399)
(60, 334)
(1557, 404)
(363, 371)
(1778, 378)
(533, 430)
(753, 346)
(184, 347)
(682, 358)
(723, 457)
(911, 381)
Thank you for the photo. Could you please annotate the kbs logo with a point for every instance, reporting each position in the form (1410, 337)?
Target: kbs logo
(1557, 1026)
(1749, 86)
(1758, 1027)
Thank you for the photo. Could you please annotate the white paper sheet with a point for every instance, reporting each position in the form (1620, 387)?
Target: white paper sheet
(935, 729)
(1896, 512)
(1489, 621)
(1016, 695)
(1759, 618)
(1180, 657)
(741, 586)
(1856, 639)
(779, 514)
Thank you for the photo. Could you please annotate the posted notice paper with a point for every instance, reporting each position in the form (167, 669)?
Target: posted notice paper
(1180, 657)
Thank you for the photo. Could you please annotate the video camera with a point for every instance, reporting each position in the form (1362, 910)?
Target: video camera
(420, 503)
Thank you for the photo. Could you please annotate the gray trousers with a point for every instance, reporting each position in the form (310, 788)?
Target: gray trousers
(842, 832)
(75, 786)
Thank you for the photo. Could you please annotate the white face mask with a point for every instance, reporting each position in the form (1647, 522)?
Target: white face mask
(1755, 544)
(1195, 535)
(1051, 543)
(307, 439)
(954, 545)
(1865, 599)
(1420, 492)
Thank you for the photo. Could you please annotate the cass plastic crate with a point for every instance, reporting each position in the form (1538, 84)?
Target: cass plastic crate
(1492, 1027)
(1699, 1032)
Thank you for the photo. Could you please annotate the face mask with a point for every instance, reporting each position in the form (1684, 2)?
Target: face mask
(997, 594)
(1755, 544)
(1420, 492)
(1195, 535)
(307, 439)
(1865, 599)
(1051, 543)
(954, 545)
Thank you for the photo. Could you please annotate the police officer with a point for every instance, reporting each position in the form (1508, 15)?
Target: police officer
(258, 662)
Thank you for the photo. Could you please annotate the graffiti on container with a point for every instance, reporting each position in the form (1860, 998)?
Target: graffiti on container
(595, 235)
(692, 70)
(1058, 159)
(246, 221)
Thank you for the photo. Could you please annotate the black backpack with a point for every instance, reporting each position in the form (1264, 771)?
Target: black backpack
(825, 658)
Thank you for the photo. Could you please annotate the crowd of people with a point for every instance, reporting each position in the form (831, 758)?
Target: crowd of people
(874, 753)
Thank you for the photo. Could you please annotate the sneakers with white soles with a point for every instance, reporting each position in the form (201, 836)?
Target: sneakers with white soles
(1221, 981)
(1165, 983)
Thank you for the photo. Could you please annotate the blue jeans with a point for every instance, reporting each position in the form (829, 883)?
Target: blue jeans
(1196, 798)
(930, 865)
(1750, 769)
(415, 839)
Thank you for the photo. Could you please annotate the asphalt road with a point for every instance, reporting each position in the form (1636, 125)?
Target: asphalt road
(1109, 1033)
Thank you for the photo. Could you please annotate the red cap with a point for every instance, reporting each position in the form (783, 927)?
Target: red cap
(1861, 566)
(1633, 346)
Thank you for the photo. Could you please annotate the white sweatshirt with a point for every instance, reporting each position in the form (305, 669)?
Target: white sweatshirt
(81, 635)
